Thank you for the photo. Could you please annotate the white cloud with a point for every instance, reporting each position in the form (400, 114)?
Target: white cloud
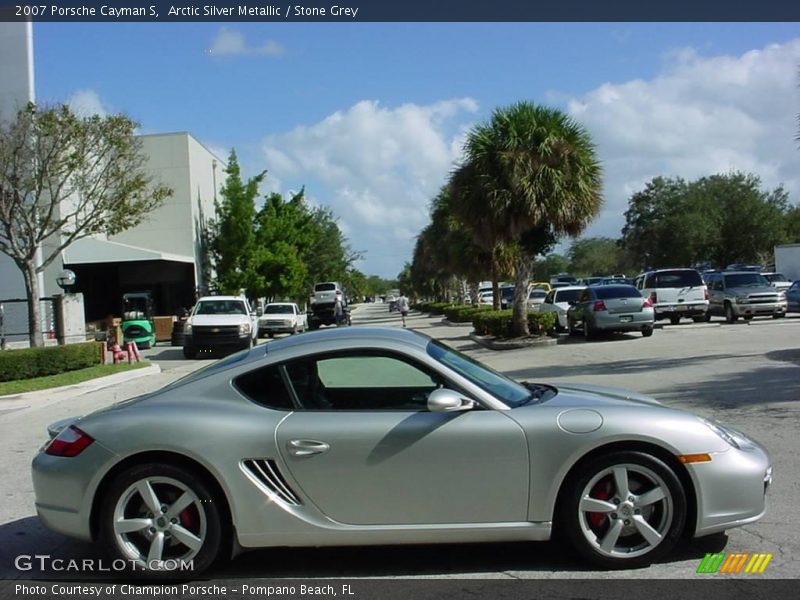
(700, 116)
(230, 42)
(379, 167)
(86, 103)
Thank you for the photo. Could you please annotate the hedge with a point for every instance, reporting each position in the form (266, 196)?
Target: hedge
(498, 323)
(463, 314)
(28, 363)
(437, 308)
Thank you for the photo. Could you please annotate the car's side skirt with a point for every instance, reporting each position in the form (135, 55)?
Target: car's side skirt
(357, 535)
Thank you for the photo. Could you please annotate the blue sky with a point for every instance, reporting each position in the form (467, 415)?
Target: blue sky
(370, 116)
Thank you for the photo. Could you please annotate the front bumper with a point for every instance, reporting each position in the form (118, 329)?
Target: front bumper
(277, 327)
(210, 342)
(731, 489)
(765, 308)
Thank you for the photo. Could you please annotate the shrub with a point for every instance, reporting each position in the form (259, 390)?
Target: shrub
(498, 323)
(463, 314)
(28, 363)
(437, 308)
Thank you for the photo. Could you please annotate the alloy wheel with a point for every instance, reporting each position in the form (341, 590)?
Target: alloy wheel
(159, 519)
(625, 511)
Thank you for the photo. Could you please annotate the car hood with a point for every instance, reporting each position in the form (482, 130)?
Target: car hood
(572, 394)
(219, 319)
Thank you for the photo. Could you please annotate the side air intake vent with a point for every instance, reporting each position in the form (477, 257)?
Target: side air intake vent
(266, 472)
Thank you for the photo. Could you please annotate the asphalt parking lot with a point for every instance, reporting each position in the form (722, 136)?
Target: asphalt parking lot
(744, 374)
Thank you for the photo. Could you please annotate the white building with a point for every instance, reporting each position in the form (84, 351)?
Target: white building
(165, 253)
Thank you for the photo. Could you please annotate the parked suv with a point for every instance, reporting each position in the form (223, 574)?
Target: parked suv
(219, 323)
(745, 294)
(675, 293)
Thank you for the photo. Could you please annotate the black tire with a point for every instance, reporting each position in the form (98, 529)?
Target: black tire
(748, 317)
(778, 315)
(270, 335)
(571, 327)
(586, 531)
(189, 352)
(674, 319)
(730, 316)
(588, 331)
(200, 522)
(707, 317)
(647, 331)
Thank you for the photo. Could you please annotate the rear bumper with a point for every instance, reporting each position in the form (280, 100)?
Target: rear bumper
(619, 322)
(693, 309)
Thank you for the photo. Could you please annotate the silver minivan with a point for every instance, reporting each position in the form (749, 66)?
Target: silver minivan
(675, 294)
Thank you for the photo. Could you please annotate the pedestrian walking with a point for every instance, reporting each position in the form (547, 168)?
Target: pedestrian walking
(402, 307)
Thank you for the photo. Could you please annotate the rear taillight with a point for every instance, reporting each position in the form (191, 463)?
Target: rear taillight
(705, 293)
(647, 303)
(653, 298)
(599, 305)
(70, 442)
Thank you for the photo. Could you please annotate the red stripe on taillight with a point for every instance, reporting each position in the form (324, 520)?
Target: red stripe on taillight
(599, 305)
(705, 292)
(70, 442)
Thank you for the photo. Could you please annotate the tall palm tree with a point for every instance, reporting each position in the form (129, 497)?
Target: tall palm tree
(532, 175)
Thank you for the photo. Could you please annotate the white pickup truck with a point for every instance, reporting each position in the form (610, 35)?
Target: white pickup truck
(220, 323)
(282, 317)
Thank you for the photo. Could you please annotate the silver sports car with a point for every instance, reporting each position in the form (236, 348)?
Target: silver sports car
(386, 436)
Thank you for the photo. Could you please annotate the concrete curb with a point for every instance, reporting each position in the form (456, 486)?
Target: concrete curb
(490, 342)
(79, 389)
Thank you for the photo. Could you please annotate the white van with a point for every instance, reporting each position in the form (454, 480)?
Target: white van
(675, 293)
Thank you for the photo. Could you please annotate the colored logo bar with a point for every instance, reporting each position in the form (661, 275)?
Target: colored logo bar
(735, 563)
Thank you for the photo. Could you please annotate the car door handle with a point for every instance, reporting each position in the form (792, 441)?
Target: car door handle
(307, 447)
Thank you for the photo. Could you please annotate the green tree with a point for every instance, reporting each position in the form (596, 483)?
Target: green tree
(282, 232)
(551, 265)
(232, 239)
(595, 256)
(63, 178)
(532, 176)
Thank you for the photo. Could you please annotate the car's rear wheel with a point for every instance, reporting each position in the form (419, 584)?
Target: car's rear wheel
(730, 316)
(157, 517)
(624, 509)
(588, 331)
(647, 330)
(189, 353)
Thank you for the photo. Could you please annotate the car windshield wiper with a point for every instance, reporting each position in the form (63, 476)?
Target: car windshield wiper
(538, 391)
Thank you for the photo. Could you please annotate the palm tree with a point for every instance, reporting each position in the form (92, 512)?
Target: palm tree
(530, 175)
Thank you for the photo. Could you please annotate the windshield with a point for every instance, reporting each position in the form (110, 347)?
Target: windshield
(773, 277)
(220, 307)
(746, 280)
(279, 309)
(498, 385)
(568, 295)
(537, 293)
(616, 291)
(678, 279)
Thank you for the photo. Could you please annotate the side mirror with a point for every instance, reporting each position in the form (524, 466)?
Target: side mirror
(444, 400)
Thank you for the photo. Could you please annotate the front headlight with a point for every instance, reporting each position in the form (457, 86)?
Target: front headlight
(244, 328)
(187, 327)
(735, 438)
(742, 299)
(782, 296)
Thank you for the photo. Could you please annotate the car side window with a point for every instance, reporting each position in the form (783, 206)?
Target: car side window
(549, 298)
(584, 297)
(363, 382)
(265, 386)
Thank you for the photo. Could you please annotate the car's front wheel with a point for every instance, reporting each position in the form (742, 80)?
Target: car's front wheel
(624, 509)
(730, 316)
(159, 518)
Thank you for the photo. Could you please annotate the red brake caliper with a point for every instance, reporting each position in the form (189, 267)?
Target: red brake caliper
(601, 491)
(188, 519)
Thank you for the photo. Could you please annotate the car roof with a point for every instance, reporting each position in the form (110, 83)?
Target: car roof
(281, 304)
(202, 299)
(568, 288)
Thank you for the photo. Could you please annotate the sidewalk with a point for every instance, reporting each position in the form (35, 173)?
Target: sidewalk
(14, 401)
